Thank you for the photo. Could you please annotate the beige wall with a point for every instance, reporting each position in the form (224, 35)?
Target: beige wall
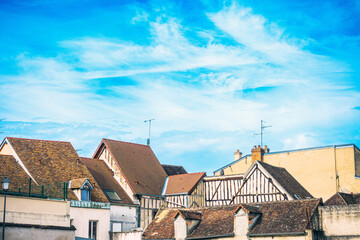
(6, 150)
(313, 168)
(81, 217)
(341, 220)
(36, 211)
(134, 235)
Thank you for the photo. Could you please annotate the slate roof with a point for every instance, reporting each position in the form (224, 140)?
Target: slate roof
(173, 169)
(139, 165)
(285, 217)
(104, 177)
(183, 183)
(11, 169)
(287, 181)
(50, 162)
(343, 199)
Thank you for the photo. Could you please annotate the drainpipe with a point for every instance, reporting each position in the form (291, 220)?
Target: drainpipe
(336, 172)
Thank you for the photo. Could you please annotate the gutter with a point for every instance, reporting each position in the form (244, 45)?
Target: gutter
(276, 234)
(214, 236)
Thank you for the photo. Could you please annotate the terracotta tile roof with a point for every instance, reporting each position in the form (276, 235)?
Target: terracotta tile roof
(104, 177)
(11, 169)
(183, 183)
(343, 199)
(275, 217)
(173, 170)
(139, 164)
(287, 181)
(54, 162)
(285, 216)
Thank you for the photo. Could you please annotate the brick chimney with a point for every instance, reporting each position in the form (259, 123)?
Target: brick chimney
(257, 153)
(237, 155)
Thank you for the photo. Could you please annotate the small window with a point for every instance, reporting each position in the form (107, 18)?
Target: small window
(92, 229)
(85, 193)
(112, 195)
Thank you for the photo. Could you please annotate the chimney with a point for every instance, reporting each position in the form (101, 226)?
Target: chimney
(237, 155)
(266, 149)
(257, 153)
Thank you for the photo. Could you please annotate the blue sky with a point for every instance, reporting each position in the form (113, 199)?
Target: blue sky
(207, 71)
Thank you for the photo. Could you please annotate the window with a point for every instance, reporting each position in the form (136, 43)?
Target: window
(85, 193)
(112, 195)
(92, 229)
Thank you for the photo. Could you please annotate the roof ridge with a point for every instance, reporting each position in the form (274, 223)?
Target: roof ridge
(171, 165)
(188, 173)
(282, 201)
(107, 139)
(43, 140)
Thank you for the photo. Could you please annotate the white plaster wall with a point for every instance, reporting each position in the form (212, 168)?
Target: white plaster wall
(340, 220)
(82, 216)
(124, 214)
(134, 235)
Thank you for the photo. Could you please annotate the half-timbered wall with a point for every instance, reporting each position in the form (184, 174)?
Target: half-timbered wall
(221, 190)
(149, 206)
(257, 187)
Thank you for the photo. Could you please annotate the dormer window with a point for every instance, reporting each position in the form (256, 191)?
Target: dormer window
(85, 192)
(82, 188)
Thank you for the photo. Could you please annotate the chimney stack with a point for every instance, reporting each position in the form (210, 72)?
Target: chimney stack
(266, 149)
(237, 155)
(257, 153)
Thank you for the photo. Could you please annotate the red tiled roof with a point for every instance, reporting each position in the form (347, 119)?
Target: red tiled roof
(104, 177)
(183, 183)
(51, 162)
(139, 164)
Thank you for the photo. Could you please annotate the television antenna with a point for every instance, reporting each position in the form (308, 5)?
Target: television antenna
(149, 120)
(262, 127)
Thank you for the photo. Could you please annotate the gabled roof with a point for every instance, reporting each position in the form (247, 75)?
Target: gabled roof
(76, 183)
(104, 177)
(189, 214)
(51, 162)
(173, 170)
(275, 218)
(138, 163)
(343, 199)
(286, 180)
(183, 183)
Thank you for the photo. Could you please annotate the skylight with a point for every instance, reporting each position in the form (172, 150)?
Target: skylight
(112, 195)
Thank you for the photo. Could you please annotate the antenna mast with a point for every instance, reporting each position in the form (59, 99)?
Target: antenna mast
(149, 120)
(262, 127)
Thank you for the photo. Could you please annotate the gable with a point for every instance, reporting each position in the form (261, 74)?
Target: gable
(139, 165)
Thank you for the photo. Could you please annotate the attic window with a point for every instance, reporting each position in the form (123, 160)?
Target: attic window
(85, 192)
(112, 195)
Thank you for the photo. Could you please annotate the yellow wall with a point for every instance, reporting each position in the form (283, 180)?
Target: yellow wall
(313, 168)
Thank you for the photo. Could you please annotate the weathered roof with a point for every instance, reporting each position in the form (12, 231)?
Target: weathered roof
(50, 162)
(285, 217)
(183, 183)
(104, 177)
(190, 214)
(287, 181)
(139, 165)
(15, 173)
(77, 182)
(217, 220)
(343, 199)
(173, 170)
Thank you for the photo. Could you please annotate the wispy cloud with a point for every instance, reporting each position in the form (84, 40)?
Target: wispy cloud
(204, 92)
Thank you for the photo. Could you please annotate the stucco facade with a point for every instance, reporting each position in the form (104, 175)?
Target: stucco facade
(322, 171)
